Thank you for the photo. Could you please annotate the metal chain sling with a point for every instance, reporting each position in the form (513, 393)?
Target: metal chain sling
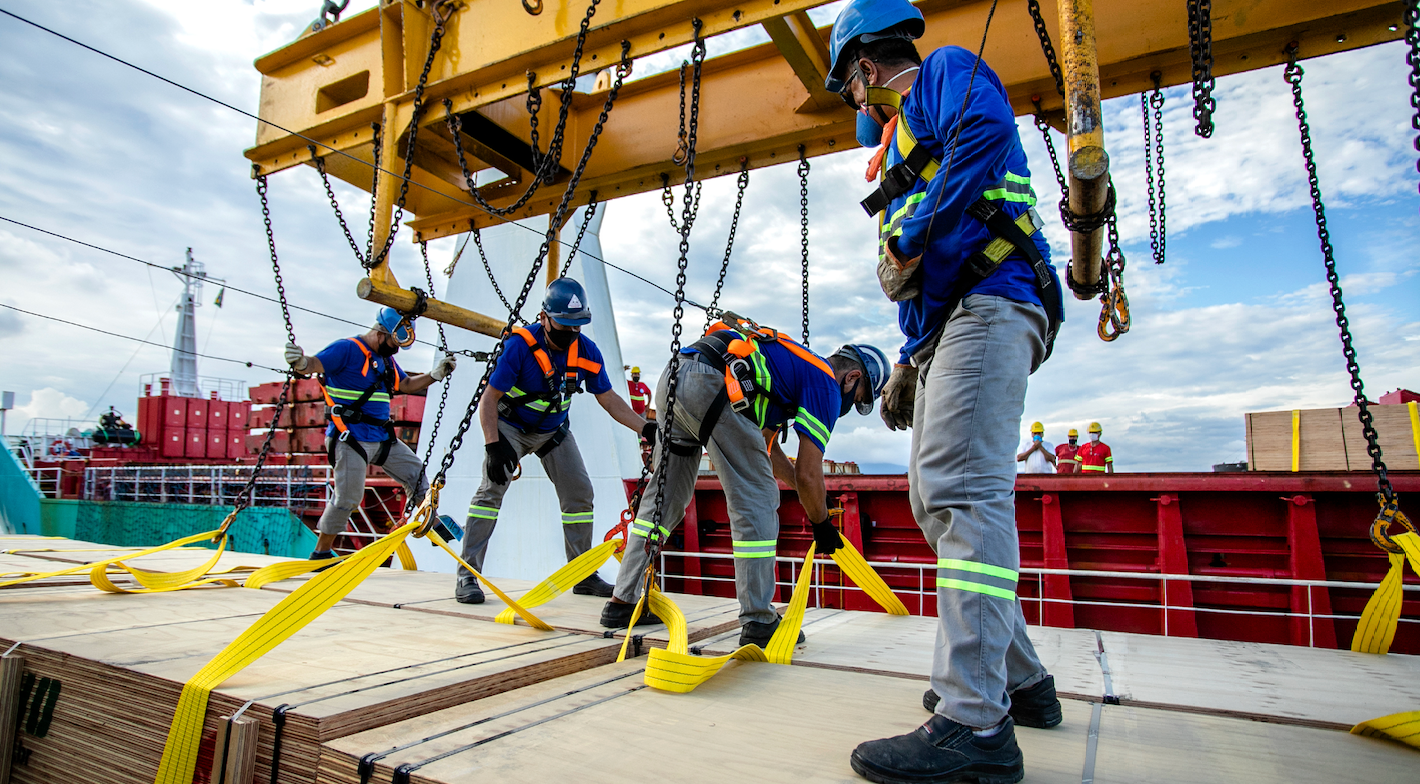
(1200, 49)
(1154, 160)
(587, 216)
(444, 394)
(655, 542)
(669, 200)
(319, 162)
(1412, 58)
(623, 70)
(1386, 495)
(804, 232)
(741, 183)
(546, 164)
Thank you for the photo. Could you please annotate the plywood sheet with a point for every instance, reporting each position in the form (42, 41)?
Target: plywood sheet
(752, 722)
(1393, 431)
(1287, 683)
(902, 646)
(1322, 446)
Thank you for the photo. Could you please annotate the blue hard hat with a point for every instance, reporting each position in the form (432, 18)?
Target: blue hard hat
(875, 363)
(566, 303)
(389, 321)
(869, 20)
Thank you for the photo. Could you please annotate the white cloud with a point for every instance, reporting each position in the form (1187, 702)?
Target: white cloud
(46, 403)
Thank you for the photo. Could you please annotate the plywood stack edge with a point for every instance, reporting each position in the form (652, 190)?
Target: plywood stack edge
(1330, 439)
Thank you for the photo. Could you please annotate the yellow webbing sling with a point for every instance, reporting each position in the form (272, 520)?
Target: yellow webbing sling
(89, 567)
(1376, 631)
(576, 570)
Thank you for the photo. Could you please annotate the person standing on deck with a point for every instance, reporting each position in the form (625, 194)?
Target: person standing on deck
(1065, 454)
(1096, 456)
(1039, 455)
(979, 317)
(524, 410)
(640, 393)
(358, 375)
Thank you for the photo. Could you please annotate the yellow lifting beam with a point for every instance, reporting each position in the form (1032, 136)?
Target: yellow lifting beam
(759, 103)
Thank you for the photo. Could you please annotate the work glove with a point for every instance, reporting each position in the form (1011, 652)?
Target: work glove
(826, 537)
(502, 460)
(296, 357)
(648, 432)
(443, 367)
(900, 397)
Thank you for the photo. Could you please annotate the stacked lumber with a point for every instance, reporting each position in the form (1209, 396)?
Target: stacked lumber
(1330, 439)
(122, 661)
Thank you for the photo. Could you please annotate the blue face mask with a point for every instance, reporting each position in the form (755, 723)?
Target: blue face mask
(870, 133)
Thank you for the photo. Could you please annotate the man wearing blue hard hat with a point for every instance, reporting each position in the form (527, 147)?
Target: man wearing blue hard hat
(358, 375)
(960, 251)
(524, 410)
(736, 389)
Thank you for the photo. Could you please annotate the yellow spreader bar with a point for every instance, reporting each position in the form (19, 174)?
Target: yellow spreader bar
(1376, 631)
(562, 580)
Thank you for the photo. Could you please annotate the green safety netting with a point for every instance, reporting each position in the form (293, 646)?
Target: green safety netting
(266, 530)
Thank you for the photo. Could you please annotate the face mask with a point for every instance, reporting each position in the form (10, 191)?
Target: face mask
(1037, 438)
(560, 339)
(1073, 441)
(869, 133)
(1094, 438)
(387, 350)
(847, 396)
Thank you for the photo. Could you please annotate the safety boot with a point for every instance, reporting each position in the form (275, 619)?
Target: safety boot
(469, 592)
(616, 615)
(594, 585)
(942, 751)
(322, 556)
(1036, 706)
(760, 633)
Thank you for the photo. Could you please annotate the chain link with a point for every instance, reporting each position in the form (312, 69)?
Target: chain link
(444, 394)
(1154, 159)
(682, 149)
(488, 268)
(1048, 48)
(587, 216)
(534, 107)
(804, 231)
(740, 184)
(623, 69)
(1114, 303)
(1412, 58)
(668, 199)
(1293, 74)
(1200, 48)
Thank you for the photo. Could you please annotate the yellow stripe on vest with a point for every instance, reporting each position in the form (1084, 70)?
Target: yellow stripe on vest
(560, 581)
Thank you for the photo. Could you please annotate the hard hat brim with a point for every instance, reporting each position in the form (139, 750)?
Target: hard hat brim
(571, 321)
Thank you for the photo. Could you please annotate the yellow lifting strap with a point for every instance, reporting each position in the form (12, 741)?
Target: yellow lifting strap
(90, 567)
(1376, 631)
(562, 580)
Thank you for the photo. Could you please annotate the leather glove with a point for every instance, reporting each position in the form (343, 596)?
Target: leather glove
(648, 432)
(296, 357)
(899, 397)
(826, 537)
(443, 366)
(502, 460)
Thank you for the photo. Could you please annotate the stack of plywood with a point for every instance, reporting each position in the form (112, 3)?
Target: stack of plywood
(1330, 439)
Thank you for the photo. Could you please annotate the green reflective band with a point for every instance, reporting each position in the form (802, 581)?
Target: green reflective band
(642, 529)
(483, 512)
(761, 548)
(1093, 468)
(978, 568)
(814, 426)
(571, 518)
(989, 590)
(758, 543)
(1013, 188)
(352, 394)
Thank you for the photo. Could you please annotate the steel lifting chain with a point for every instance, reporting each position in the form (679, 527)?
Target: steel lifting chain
(1412, 58)
(1200, 48)
(804, 231)
(741, 183)
(444, 394)
(668, 199)
(1114, 303)
(1047, 47)
(319, 162)
(546, 164)
(682, 148)
(587, 215)
(654, 541)
(623, 69)
(488, 268)
(1390, 504)
(244, 496)
(534, 107)
(1153, 103)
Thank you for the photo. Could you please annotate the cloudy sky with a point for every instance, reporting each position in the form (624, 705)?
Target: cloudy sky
(1238, 319)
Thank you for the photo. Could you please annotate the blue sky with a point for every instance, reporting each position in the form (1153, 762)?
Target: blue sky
(1238, 319)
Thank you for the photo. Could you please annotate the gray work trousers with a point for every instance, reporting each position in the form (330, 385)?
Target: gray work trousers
(961, 483)
(402, 466)
(569, 477)
(737, 448)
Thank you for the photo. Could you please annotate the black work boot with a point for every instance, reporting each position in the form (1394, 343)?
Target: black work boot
(1036, 706)
(939, 752)
(469, 592)
(594, 585)
(322, 556)
(760, 633)
(616, 615)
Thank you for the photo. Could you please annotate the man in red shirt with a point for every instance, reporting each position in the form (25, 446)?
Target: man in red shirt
(1095, 456)
(1065, 455)
(640, 393)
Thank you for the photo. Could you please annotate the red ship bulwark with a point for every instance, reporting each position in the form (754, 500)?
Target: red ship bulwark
(1095, 551)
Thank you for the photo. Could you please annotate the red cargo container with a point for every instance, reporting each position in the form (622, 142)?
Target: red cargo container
(174, 442)
(195, 444)
(216, 444)
(307, 389)
(217, 415)
(407, 408)
(308, 439)
(174, 412)
(281, 443)
(236, 445)
(197, 413)
(265, 394)
(308, 414)
(150, 417)
(238, 415)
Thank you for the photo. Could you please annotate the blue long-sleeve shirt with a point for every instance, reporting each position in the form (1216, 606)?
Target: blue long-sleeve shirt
(988, 158)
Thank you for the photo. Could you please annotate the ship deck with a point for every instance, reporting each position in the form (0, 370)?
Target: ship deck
(440, 692)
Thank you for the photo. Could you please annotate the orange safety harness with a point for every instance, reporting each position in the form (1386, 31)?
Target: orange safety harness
(344, 414)
(556, 395)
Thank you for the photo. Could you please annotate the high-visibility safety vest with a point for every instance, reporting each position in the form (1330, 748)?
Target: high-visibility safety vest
(555, 398)
(350, 409)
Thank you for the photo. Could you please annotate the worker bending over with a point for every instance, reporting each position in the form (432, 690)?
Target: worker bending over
(524, 409)
(979, 317)
(358, 376)
(735, 389)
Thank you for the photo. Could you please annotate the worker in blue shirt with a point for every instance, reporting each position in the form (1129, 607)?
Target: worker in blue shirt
(960, 251)
(358, 376)
(736, 388)
(524, 410)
